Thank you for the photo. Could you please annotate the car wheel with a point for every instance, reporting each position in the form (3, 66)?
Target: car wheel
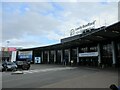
(24, 67)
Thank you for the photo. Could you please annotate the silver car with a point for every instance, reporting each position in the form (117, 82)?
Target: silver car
(9, 66)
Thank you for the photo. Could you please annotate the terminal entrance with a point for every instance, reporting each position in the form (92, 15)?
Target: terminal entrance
(88, 56)
(74, 56)
(70, 56)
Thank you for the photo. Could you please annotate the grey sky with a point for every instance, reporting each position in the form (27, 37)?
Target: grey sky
(31, 24)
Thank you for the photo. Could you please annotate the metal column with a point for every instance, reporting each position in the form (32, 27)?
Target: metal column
(48, 57)
(62, 56)
(42, 57)
(77, 55)
(55, 52)
(69, 57)
(113, 52)
(99, 54)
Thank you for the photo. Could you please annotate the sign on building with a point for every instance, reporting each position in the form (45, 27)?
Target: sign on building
(25, 55)
(81, 28)
(88, 54)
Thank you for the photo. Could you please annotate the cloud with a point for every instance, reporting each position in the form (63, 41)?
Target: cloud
(77, 14)
(36, 24)
(59, 0)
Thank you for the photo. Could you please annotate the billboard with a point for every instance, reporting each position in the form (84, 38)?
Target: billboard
(25, 55)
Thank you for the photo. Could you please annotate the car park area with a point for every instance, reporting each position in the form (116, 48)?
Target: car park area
(59, 76)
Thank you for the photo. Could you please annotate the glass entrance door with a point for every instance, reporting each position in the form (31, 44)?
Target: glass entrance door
(107, 55)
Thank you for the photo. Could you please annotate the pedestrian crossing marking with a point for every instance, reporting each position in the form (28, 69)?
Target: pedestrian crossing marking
(46, 70)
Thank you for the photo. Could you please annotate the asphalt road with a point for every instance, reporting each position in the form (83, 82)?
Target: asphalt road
(58, 76)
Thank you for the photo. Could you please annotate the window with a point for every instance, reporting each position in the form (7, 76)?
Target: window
(85, 49)
(93, 49)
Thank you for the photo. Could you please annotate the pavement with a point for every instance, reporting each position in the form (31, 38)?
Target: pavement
(100, 79)
(59, 76)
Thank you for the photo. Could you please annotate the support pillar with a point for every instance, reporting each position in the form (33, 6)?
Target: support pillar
(69, 55)
(62, 56)
(42, 57)
(99, 54)
(77, 55)
(113, 53)
(55, 52)
(48, 59)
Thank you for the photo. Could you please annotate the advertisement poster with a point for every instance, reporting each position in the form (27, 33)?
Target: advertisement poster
(25, 55)
(37, 59)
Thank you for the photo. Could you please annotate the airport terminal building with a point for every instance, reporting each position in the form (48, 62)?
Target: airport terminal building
(95, 47)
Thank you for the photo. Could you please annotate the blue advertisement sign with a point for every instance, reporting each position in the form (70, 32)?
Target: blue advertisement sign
(25, 55)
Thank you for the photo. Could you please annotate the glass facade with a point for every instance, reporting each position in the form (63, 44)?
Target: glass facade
(107, 55)
(93, 49)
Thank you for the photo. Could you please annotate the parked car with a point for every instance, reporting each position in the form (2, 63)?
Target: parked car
(9, 66)
(25, 65)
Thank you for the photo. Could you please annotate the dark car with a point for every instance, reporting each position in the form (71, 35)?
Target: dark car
(25, 65)
(9, 66)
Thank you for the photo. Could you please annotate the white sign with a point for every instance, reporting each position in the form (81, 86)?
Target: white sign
(37, 59)
(13, 57)
(88, 54)
(78, 30)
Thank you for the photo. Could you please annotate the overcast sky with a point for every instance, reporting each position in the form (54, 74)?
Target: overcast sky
(36, 24)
